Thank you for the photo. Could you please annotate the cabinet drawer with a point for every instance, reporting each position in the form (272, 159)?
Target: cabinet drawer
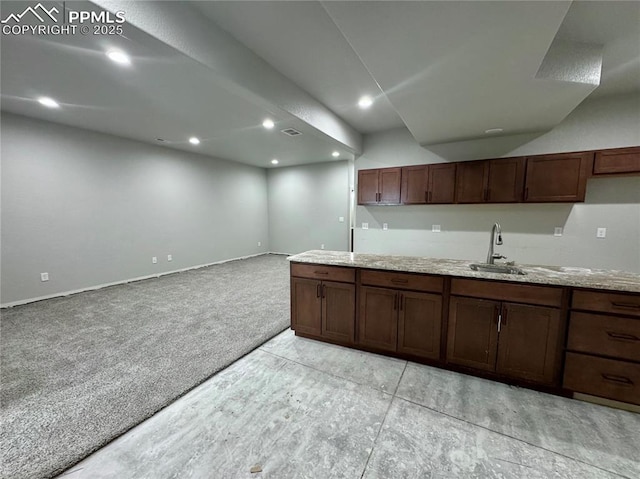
(609, 378)
(606, 335)
(390, 279)
(518, 293)
(319, 271)
(618, 303)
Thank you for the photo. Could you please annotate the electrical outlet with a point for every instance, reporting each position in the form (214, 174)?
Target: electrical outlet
(385, 226)
(341, 219)
(259, 243)
(365, 226)
(322, 246)
(154, 260)
(169, 257)
(601, 233)
(557, 231)
(44, 276)
(435, 228)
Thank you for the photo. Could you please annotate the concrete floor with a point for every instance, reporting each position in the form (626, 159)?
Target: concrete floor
(304, 409)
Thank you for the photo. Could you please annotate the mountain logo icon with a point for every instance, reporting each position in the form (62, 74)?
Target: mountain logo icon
(39, 11)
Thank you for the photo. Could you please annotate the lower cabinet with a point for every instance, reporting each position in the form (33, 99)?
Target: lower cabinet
(400, 321)
(323, 308)
(515, 340)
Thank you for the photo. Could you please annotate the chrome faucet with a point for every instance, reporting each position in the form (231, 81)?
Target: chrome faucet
(491, 256)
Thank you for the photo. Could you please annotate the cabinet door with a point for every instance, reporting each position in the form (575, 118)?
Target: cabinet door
(419, 324)
(441, 182)
(414, 185)
(378, 318)
(306, 306)
(528, 347)
(617, 161)
(473, 333)
(506, 180)
(471, 182)
(557, 177)
(389, 186)
(368, 187)
(338, 311)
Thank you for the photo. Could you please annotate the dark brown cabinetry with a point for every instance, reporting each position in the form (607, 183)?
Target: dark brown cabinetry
(323, 307)
(379, 187)
(428, 184)
(557, 178)
(617, 161)
(516, 340)
(505, 182)
(471, 182)
(490, 181)
(603, 346)
(394, 319)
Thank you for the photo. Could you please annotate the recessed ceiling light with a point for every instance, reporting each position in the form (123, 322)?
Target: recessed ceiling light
(268, 123)
(48, 102)
(365, 102)
(335, 154)
(493, 130)
(274, 162)
(118, 56)
(194, 141)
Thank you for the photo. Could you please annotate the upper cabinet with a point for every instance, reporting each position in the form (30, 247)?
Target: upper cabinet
(557, 178)
(471, 182)
(428, 184)
(490, 181)
(379, 187)
(617, 161)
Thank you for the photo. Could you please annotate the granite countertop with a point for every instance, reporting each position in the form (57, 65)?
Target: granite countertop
(550, 275)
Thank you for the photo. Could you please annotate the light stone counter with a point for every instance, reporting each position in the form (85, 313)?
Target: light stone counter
(550, 275)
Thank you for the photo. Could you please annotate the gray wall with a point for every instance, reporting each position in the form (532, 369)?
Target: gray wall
(528, 229)
(91, 209)
(305, 203)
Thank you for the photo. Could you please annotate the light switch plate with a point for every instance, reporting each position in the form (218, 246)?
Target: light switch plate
(385, 226)
(169, 257)
(44, 276)
(365, 226)
(601, 233)
(557, 231)
(435, 228)
(341, 219)
(154, 260)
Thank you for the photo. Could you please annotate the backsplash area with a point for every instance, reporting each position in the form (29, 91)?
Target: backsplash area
(527, 229)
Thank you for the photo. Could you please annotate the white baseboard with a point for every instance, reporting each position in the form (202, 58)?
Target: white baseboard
(125, 281)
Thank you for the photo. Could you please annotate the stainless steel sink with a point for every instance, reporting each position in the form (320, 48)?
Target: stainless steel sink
(496, 268)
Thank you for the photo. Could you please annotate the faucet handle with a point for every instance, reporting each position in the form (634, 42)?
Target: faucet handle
(498, 256)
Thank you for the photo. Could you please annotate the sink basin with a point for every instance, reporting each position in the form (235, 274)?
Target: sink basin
(496, 268)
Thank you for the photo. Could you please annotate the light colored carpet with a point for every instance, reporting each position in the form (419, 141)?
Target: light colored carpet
(81, 370)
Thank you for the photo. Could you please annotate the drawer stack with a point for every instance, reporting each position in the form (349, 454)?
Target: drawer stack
(603, 346)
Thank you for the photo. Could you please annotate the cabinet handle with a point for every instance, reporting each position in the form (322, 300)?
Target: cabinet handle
(321, 272)
(318, 290)
(324, 291)
(399, 281)
(625, 305)
(499, 321)
(624, 336)
(617, 379)
(400, 300)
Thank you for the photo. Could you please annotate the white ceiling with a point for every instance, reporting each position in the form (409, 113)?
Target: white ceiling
(446, 70)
